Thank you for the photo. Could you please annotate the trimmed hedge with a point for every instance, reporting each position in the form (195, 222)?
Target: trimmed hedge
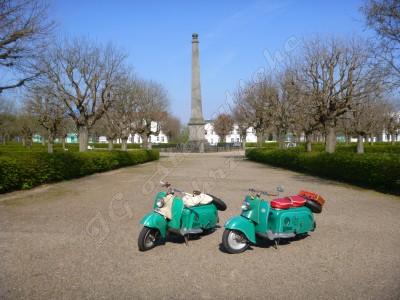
(269, 145)
(38, 147)
(379, 147)
(378, 171)
(26, 170)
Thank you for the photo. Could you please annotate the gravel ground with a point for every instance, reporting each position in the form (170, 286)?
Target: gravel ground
(78, 239)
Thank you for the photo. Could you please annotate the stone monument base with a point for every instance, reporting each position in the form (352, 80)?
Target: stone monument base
(196, 137)
(196, 146)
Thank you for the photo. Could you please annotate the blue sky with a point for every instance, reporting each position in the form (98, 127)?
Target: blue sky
(237, 38)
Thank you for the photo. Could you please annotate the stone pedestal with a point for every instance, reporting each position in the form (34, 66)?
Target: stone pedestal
(196, 137)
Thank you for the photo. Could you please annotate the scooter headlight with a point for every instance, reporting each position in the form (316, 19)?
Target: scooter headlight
(160, 203)
(245, 205)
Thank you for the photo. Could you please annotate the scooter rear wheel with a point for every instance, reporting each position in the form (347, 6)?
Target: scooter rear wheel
(219, 204)
(313, 206)
(148, 238)
(234, 241)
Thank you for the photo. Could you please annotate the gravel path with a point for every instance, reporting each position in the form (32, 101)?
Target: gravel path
(78, 239)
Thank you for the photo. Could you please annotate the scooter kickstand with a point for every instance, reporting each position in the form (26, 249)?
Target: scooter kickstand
(276, 243)
(186, 237)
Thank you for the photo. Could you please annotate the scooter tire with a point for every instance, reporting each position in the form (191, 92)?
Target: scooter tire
(227, 245)
(313, 206)
(219, 204)
(143, 243)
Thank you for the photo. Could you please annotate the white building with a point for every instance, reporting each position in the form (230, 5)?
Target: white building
(161, 138)
(234, 137)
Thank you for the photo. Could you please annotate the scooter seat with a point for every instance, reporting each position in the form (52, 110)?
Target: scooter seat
(297, 201)
(287, 202)
(281, 203)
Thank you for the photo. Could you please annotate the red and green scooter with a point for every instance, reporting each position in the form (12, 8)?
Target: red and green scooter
(280, 218)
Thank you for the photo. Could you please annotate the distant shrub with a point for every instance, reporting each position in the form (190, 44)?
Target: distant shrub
(269, 145)
(164, 145)
(25, 170)
(380, 171)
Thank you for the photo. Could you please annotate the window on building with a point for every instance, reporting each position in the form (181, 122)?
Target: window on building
(232, 140)
(162, 139)
(158, 138)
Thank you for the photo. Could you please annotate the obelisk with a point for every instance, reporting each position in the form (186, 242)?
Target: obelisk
(196, 123)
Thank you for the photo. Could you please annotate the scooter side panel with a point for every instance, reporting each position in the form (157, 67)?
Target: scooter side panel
(177, 208)
(155, 220)
(203, 216)
(243, 225)
(296, 220)
(262, 225)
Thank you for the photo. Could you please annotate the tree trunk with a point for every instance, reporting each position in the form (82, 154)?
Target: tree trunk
(43, 141)
(259, 139)
(50, 145)
(281, 140)
(124, 145)
(308, 142)
(348, 139)
(63, 142)
(110, 144)
(83, 138)
(360, 144)
(330, 142)
(23, 141)
(393, 138)
(244, 142)
(144, 141)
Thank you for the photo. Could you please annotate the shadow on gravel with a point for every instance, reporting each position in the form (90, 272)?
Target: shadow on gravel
(263, 243)
(178, 239)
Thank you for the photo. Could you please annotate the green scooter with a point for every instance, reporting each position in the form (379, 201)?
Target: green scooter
(171, 215)
(279, 219)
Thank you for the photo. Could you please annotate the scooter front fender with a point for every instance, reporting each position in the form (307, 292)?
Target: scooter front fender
(155, 220)
(243, 225)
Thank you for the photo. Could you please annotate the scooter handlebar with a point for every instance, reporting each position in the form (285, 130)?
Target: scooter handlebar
(262, 192)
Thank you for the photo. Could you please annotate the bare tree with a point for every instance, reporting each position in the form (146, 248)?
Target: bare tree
(285, 105)
(24, 32)
(7, 120)
(84, 76)
(50, 112)
(241, 119)
(26, 126)
(223, 125)
(365, 119)
(171, 127)
(392, 120)
(254, 103)
(383, 16)
(335, 73)
(152, 108)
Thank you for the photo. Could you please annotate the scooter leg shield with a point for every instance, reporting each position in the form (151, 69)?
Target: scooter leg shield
(155, 220)
(243, 225)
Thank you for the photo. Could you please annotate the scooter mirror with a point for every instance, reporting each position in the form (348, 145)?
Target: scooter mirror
(280, 188)
(166, 184)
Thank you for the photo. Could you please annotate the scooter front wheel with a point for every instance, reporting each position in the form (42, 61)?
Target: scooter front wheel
(234, 241)
(148, 238)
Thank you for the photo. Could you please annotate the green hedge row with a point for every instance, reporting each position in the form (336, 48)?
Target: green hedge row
(378, 171)
(26, 170)
(270, 145)
(352, 148)
(38, 147)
